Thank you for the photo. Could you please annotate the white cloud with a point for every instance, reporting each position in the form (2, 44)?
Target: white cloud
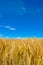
(7, 27)
(16, 7)
(12, 28)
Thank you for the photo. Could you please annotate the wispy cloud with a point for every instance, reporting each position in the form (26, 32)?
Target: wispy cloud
(21, 7)
(12, 7)
(7, 27)
(17, 7)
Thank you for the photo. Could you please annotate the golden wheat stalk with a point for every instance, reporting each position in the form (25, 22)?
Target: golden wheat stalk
(21, 51)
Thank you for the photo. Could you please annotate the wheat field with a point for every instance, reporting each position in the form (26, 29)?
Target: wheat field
(21, 51)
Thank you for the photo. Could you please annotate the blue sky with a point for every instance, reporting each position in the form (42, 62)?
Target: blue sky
(21, 18)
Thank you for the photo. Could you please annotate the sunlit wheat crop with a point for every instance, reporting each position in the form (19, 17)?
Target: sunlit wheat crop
(21, 51)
